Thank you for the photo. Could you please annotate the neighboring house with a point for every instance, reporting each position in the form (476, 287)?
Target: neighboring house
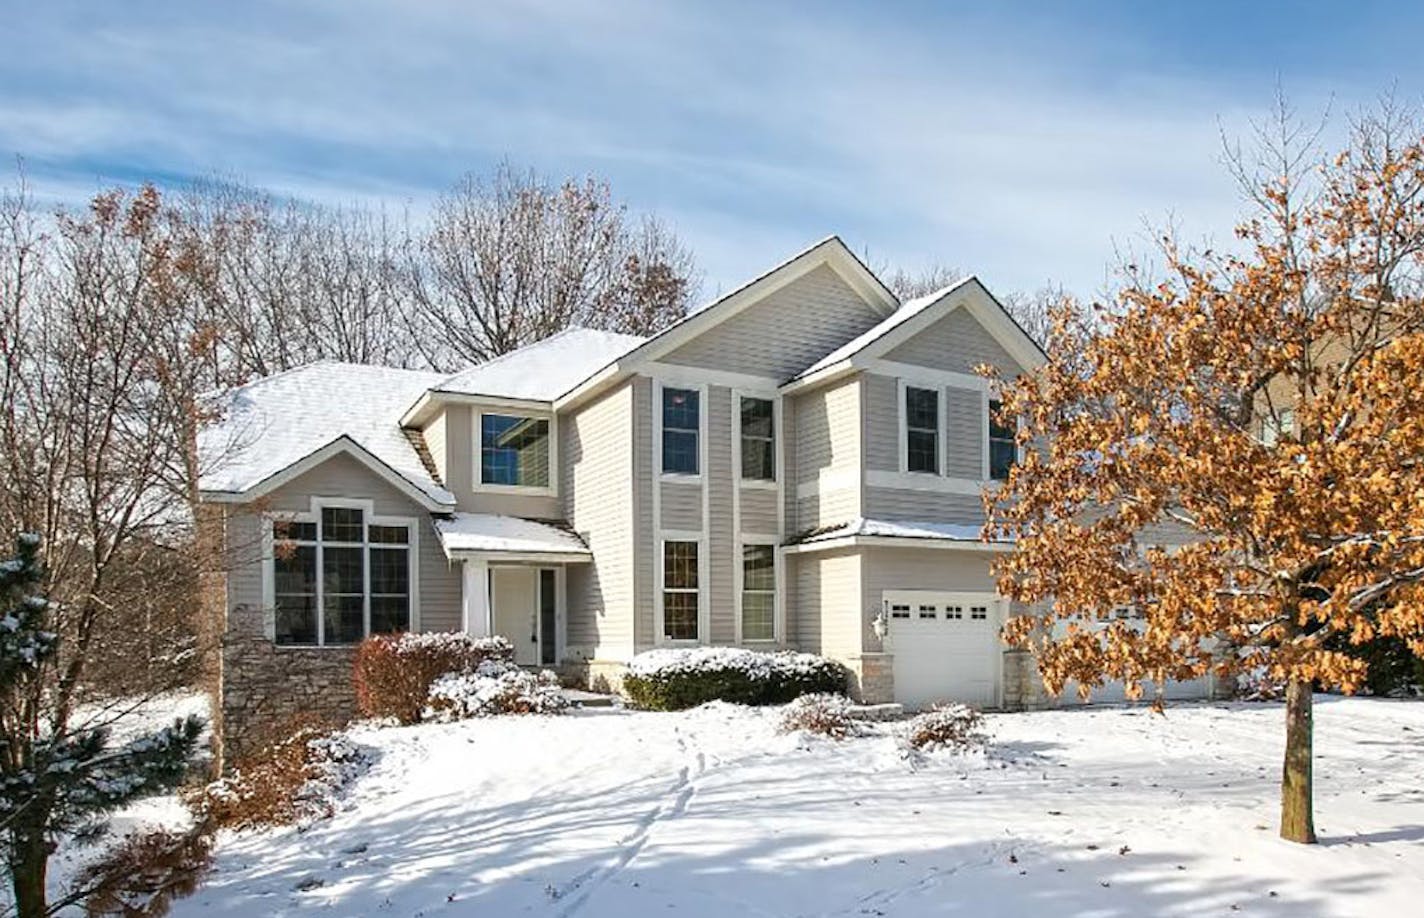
(799, 464)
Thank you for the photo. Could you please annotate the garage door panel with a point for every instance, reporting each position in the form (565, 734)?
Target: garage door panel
(946, 647)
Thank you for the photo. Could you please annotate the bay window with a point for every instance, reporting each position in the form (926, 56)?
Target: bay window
(758, 593)
(338, 576)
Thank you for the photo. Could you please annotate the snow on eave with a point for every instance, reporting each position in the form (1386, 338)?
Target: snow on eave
(463, 534)
(861, 531)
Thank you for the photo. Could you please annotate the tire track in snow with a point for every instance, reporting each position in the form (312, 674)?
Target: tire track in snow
(683, 789)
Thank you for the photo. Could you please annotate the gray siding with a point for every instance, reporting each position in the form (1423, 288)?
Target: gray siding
(965, 417)
(759, 516)
(825, 616)
(344, 477)
(437, 443)
(956, 342)
(681, 506)
(882, 422)
(923, 506)
(887, 568)
(721, 544)
(786, 332)
(826, 427)
(598, 488)
(645, 557)
(460, 474)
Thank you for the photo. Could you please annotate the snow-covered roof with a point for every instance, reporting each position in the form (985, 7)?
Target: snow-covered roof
(488, 532)
(906, 312)
(544, 370)
(898, 529)
(272, 424)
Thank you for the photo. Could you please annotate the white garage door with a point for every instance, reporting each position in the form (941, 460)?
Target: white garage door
(946, 647)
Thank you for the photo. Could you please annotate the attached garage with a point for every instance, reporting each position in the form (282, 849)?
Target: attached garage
(945, 646)
(1115, 692)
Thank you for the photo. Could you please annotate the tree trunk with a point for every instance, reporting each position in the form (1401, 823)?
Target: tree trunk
(1297, 809)
(29, 864)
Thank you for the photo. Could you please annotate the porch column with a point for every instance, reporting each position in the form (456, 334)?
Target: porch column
(476, 606)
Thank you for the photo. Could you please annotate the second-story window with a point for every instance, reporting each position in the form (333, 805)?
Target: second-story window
(922, 430)
(514, 451)
(1003, 445)
(681, 426)
(758, 440)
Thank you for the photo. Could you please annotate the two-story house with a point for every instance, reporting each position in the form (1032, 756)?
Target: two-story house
(799, 464)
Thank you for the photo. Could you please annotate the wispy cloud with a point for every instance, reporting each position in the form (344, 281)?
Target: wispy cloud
(1004, 140)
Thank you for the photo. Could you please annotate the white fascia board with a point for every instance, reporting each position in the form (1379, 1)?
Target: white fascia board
(520, 557)
(432, 399)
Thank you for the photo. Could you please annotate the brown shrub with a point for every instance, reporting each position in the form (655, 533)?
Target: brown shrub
(142, 875)
(393, 672)
(954, 727)
(823, 714)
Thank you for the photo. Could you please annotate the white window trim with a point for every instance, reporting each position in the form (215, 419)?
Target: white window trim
(313, 515)
(703, 403)
(704, 613)
(941, 417)
(736, 447)
(739, 578)
(478, 485)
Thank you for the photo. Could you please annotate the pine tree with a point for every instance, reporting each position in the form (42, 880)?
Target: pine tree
(56, 779)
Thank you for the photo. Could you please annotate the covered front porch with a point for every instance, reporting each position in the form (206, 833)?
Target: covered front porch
(513, 581)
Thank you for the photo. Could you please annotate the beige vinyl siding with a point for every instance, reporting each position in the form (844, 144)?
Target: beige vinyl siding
(894, 568)
(460, 477)
(786, 332)
(681, 506)
(965, 419)
(721, 544)
(437, 443)
(923, 506)
(826, 617)
(759, 515)
(597, 442)
(961, 442)
(644, 580)
(343, 477)
(882, 422)
(828, 451)
(956, 342)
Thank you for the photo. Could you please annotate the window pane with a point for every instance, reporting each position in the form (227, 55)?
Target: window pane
(922, 451)
(1002, 454)
(680, 616)
(390, 571)
(296, 619)
(680, 452)
(922, 408)
(758, 611)
(758, 567)
(758, 460)
(680, 409)
(389, 614)
(388, 535)
(300, 532)
(680, 565)
(997, 428)
(514, 450)
(343, 618)
(758, 454)
(342, 524)
(756, 417)
(341, 571)
(294, 568)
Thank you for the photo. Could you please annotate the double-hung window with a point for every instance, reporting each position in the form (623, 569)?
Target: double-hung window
(1003, 443)
(514, 451)
(681, 430)
(339, 577)
(680, 593)
(758, 593)
(921, 430)
(758, 439)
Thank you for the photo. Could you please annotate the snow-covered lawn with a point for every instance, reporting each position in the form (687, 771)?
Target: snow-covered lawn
(1102, 812)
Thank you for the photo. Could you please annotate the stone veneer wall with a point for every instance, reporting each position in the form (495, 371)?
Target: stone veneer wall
(266, 687)
(1023, 689)
(872, 677)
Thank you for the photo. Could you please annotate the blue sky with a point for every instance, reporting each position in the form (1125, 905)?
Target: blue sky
(1021, 141)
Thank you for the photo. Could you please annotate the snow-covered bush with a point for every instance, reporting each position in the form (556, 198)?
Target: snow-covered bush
(393, 672)
(295, 778)
(1259, 685)
(673, 679)
(822, 713)
(495, 687)
(953, 727)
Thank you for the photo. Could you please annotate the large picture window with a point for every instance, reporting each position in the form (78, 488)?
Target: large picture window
(922, 430)
(681, 426)
(758, 439)
(758, 593)
(1003, 445)
(514, 451)
(680, 594)
(339, 577)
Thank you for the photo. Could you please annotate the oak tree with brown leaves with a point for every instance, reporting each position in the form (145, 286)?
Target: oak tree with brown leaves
(1237, 451)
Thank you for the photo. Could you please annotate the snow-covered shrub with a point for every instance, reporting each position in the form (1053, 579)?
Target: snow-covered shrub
(1259, 685)
(295, 778)
(393, 672)
(145, 872)
(495, 687)
(673, 679)
(953, 727)
(822, 713)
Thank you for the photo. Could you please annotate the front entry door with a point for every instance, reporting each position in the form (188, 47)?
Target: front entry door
(515, 601)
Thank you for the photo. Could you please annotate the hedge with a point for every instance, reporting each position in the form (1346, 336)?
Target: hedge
(671, 680)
